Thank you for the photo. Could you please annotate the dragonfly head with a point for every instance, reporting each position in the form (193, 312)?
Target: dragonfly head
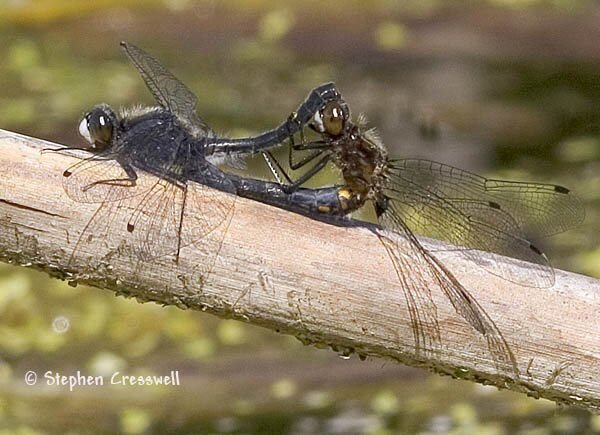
(332, 118)
(98, 127)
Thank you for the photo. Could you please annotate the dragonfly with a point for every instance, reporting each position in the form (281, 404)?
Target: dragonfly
(480, 217)
(159, 166)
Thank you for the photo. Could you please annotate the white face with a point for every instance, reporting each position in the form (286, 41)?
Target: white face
(318, 122)
(84, 130)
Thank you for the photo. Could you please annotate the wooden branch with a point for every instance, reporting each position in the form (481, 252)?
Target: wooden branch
(324, 284)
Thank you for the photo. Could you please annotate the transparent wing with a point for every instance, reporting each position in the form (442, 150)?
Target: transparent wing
(156, 216)
(100, 178)
(169, 217)
(170, 93)
(417, 270)
(446, 203)
(206, 210)
(545, 208)
(209, 248)
(415, 285)
(98, 228)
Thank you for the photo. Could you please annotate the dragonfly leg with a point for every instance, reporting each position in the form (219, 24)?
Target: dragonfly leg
(130, 181)
(292, 185)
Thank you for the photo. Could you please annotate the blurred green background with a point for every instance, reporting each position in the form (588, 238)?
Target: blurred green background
(506, 88)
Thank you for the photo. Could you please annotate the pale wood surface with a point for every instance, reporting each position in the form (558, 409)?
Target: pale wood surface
(324, 284)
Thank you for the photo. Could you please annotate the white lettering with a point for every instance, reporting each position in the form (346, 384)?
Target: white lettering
(118, 379)
(76, 380)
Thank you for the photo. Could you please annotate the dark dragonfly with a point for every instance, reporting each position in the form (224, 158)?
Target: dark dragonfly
(158, 163)
(479, 216)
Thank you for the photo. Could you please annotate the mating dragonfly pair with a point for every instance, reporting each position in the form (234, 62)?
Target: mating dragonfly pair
(161, 163)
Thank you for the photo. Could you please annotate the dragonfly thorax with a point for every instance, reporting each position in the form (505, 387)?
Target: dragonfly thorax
(362, 162)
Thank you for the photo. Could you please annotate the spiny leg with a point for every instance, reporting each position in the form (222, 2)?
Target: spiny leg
(292, 185)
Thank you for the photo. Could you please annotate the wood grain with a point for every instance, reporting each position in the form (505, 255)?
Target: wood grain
(326, 285)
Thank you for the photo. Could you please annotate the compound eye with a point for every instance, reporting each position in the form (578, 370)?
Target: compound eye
(333, 118)
(97, 128)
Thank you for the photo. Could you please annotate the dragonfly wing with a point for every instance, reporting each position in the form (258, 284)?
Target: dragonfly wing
(163, 219)
(97, 228)
(155, 223)
(171, 216)
(101, 178)
(547, 209)
(464, 217)
(206, 209)
(426, 270)
(169, 91)
(209, 247)
(415, 285)
(544, 208)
